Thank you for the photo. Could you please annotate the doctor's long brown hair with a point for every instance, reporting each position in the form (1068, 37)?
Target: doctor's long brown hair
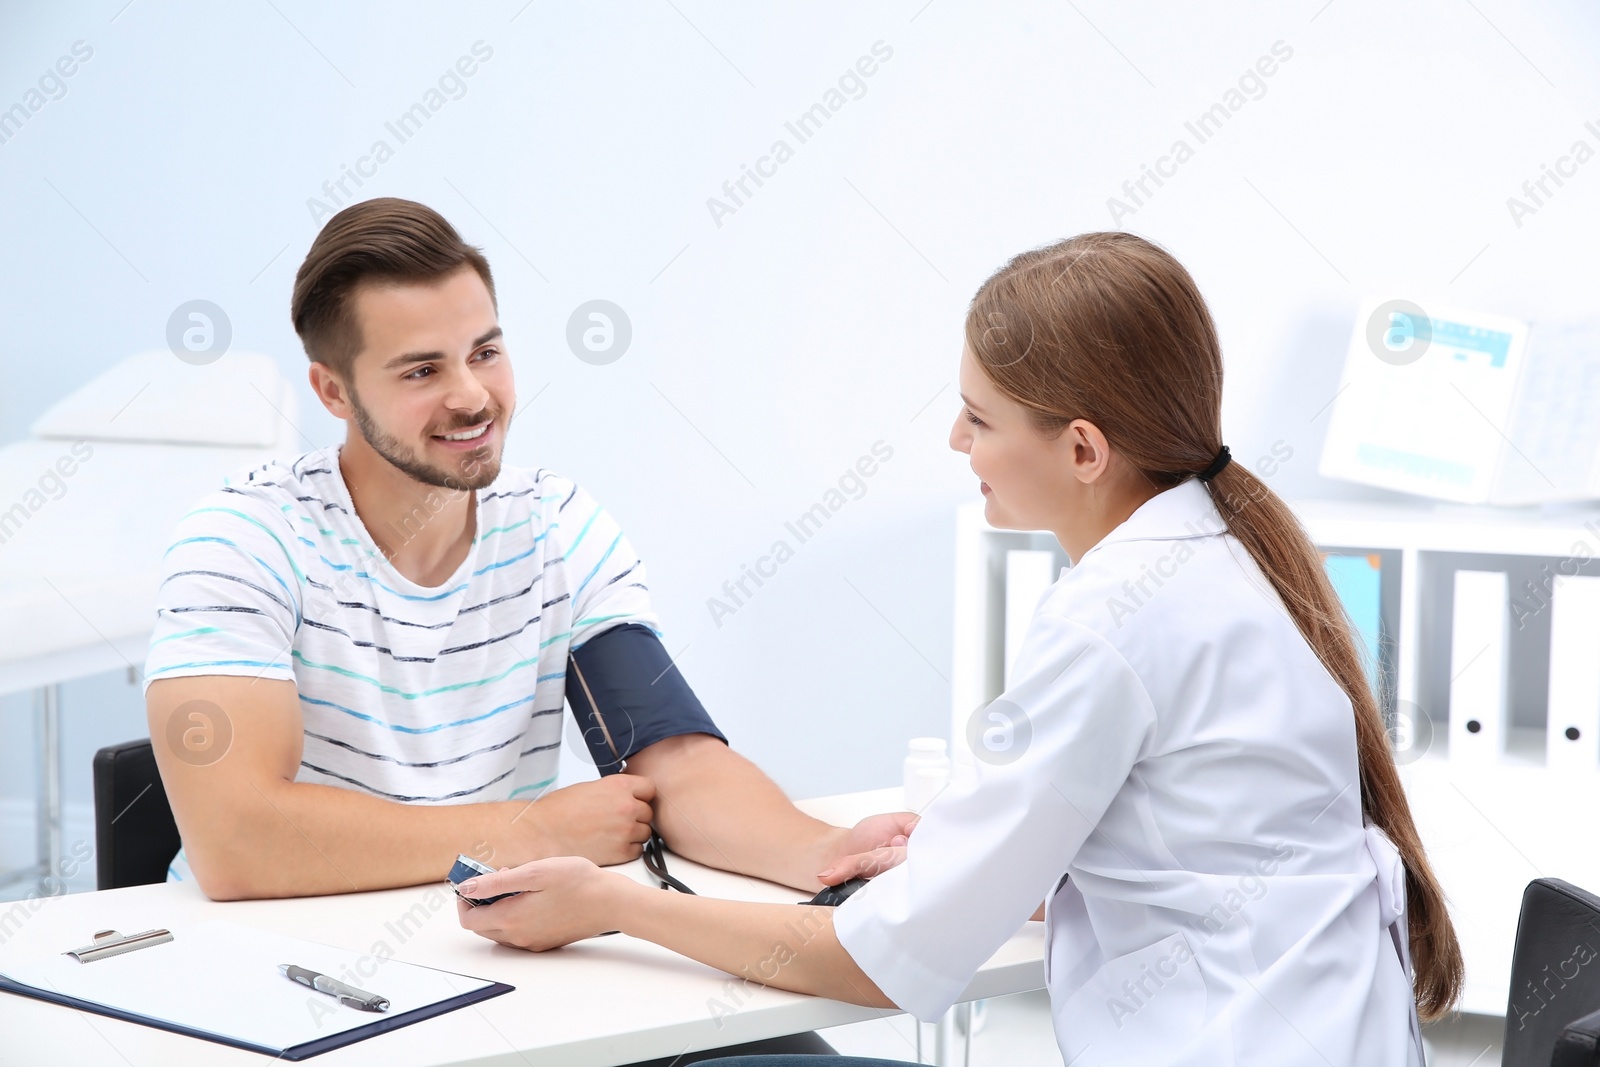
(1110, 328)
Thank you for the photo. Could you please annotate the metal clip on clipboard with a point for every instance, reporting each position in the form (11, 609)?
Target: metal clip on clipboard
(109, 943)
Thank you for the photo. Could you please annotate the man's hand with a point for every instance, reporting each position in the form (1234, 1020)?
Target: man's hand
(871, 847)
(606, 821)
(560, 901)
(250, 830)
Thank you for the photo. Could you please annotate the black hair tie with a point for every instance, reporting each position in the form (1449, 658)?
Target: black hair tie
(1223, 459)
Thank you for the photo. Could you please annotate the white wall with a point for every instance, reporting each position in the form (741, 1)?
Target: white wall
(772, 350)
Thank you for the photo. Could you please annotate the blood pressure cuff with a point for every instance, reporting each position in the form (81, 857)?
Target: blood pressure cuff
(625, 691)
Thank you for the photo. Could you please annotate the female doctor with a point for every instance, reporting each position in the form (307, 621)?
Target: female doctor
(1200, 785)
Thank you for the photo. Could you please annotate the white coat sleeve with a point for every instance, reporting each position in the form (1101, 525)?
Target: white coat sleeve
(987, 852)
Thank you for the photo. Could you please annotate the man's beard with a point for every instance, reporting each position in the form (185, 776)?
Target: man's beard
(478, 473)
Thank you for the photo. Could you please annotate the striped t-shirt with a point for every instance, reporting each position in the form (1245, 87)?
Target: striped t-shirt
(444, 695)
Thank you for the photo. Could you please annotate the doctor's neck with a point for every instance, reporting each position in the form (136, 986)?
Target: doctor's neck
(1098, 488)
(1100, 505)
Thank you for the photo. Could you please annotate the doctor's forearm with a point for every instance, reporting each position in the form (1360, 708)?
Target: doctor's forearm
(787, 946)
(717, 808)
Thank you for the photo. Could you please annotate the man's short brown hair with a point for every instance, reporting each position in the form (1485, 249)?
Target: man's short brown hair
(383, 240)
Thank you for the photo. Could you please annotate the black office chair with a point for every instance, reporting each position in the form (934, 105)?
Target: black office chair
(1551, 1016)
(134, 832)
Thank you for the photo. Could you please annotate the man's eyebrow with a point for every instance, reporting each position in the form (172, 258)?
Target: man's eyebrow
(428, 357)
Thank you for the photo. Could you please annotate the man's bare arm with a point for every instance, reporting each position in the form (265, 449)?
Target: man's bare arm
(250, 830)
(717, 808)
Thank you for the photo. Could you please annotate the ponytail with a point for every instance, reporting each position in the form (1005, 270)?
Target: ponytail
(1111, 328)
(1269, 531)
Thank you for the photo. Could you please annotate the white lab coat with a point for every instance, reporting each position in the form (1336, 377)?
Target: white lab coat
(1187, 801)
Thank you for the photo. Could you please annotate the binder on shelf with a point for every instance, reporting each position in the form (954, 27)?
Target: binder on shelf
(1029, 572)
(1572, 731)
(1358, 581)
(1480, 639)
(219, 981)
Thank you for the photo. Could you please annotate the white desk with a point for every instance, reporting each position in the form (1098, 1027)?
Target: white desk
(608, 1000)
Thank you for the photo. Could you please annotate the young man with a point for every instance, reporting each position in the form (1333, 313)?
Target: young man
(361, 654)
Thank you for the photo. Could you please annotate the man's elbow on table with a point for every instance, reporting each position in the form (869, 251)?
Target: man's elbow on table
(235, 861)
(220, 883)
(230, 851)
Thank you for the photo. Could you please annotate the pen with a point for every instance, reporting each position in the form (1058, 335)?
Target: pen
(347, 995)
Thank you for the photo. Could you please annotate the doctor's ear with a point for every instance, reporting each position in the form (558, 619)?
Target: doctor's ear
(1085, 450)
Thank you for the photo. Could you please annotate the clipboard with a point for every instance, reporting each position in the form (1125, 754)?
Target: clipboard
(218, 981)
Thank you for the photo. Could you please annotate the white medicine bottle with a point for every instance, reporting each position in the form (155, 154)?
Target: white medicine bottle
(927, 770)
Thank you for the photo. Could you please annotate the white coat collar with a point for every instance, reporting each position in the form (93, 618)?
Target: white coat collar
(1181, 512)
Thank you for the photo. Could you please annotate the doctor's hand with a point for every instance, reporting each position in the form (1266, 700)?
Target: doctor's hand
(561, 900)
(871, 847)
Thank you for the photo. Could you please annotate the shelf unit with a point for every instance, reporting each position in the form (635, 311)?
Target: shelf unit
(1489, 829)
